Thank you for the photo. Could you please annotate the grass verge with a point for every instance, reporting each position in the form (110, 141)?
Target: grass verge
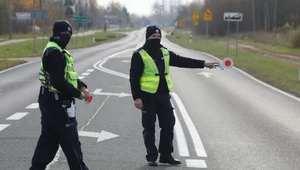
(25, 49)
(5, 64)
(281, 75)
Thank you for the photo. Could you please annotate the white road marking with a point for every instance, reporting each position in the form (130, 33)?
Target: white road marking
(85, 74)
(33, 106)
(98, 92)
(17, 116)
(90, 70)
(126, 61)
(195, 163)
(206, 74)
(200, 151)
(180, 137)
(103, 135)
(80, 77)
(99, 64)
(3, 126)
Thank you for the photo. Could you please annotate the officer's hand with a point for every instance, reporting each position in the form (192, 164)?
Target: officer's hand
(86, 93)
(210, 64)
(138, 103)
(82, 96)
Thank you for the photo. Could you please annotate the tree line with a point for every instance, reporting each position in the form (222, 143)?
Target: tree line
(57, 10)
(267, 15)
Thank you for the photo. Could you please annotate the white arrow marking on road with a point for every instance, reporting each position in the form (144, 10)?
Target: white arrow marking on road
(103, 135)
(98, 92)
(206, 74)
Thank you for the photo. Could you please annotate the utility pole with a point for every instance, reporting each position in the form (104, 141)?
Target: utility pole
(253, 15)
(9, 9)
(33, 26)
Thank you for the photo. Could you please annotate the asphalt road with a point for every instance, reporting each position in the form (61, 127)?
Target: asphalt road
(225, 119)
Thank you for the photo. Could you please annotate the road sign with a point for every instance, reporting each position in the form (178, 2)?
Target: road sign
(21, 15)
(39, 14)
(195, 16)
(207, 15)
(181, 22)
(110, 17)
(233, 16)
(195, 22)
(81, 19)
(227, 62)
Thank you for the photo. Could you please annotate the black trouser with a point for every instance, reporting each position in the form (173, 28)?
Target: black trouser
(51, 137)
(159, 104)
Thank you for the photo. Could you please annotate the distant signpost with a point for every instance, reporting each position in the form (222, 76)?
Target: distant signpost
(208, 16)
(80, 19)
(195, 18)
(181, 22)
(233, 17)
(83, 20)
(32, 15)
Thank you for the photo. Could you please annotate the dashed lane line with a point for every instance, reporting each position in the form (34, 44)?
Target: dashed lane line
(33, 106)
(3, 126)
(17, 116)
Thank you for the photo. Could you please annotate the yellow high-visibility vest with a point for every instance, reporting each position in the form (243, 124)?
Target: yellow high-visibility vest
(149, 80)
(70, 75)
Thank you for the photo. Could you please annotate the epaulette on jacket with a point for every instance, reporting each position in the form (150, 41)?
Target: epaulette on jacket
(136, 51)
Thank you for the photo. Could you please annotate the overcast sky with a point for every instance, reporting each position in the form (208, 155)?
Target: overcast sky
(140, 7)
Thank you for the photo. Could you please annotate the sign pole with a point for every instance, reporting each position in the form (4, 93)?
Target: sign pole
(43, 31)
(228, 27)
(237, 39)
(207, 25)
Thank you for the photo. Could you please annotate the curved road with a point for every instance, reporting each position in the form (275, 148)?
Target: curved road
(225, 120)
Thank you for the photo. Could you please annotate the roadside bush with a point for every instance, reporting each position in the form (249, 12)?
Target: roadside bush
(287, 27)
(295, 38)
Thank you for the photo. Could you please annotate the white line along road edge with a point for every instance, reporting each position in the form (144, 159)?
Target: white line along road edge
(193, 131)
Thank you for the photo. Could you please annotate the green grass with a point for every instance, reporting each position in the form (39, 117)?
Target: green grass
(25, 49)
(126, 29)
(4, 64)
(274, 72)
(273, 48)
(21, 36)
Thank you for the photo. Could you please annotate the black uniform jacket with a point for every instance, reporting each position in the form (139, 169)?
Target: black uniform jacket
(54, 63)
(137, 67)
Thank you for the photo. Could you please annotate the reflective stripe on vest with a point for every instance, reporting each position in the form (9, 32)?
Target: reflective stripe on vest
(149, 80)
(70, 75)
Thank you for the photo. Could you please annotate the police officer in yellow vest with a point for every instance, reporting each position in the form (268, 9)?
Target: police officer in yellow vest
(59, 88)
(150, 86)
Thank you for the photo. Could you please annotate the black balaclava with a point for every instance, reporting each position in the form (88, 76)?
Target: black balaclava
(152, 43)
(60, 35)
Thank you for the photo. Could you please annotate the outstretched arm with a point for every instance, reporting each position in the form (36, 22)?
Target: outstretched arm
(185, 62)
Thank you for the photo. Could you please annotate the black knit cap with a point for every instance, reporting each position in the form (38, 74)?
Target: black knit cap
(61, 26)
(152, 30)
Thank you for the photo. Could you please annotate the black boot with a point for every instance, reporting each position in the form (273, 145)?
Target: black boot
(169, 160)
(152, 163)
